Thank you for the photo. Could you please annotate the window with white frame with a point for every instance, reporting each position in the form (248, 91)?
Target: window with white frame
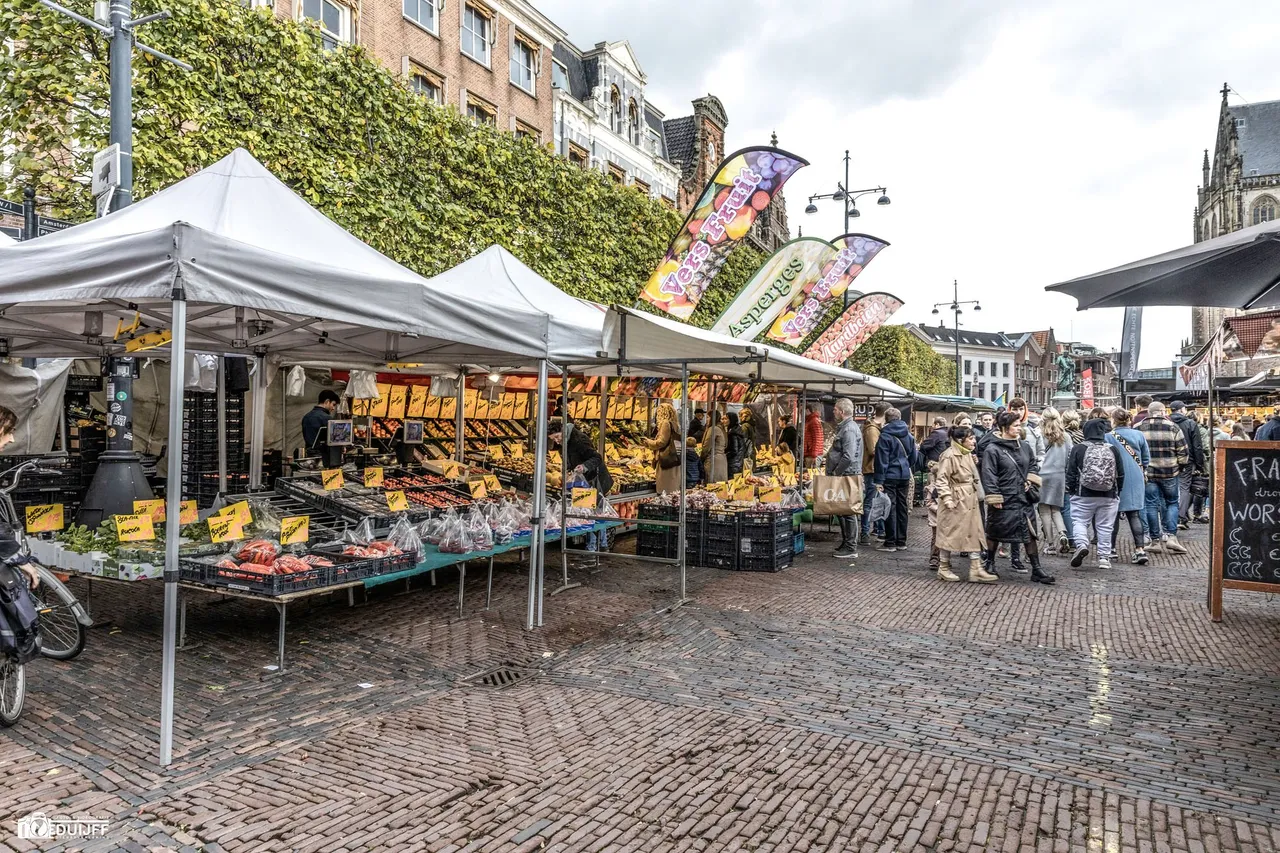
(523, 64)
(424, 13)
(334, 20)
(477, 29)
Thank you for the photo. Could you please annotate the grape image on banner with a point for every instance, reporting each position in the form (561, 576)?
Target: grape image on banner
(806, 308)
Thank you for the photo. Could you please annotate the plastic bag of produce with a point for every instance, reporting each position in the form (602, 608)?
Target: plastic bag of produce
(479, 535)
(361, 534)
(259, 551)
(505, 523)
(405, 537)
(265, 518)
(453, 534)
(553, 515)
(791, 499)
(881, 506)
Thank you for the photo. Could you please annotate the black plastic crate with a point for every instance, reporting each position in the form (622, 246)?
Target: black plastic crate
(757, 521)
(766, 562)
(208, 573)
(721, 525)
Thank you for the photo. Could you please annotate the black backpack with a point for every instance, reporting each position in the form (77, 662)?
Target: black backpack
(19, 619)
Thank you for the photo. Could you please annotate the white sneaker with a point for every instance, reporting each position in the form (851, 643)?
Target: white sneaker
(1104, 563)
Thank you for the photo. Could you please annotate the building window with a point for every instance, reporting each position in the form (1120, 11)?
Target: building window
(559, 76)
(481, 112)
(641, 185)
(668, 201)
(615, 111)
(525, 131)
(424, 13)
(968, 389)
(633, 123)
(334, 20)
(982, 368)
(617, 174)
(1004, 370)
(968, 366)
(426, 83)
(1264, 210)
(993, 369)
(578, 156)
(523, 59)
(982, 390)
(1006, 392)
(476, 29)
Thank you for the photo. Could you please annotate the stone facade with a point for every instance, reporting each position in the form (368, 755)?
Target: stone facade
(491, 60)
(1239, 188)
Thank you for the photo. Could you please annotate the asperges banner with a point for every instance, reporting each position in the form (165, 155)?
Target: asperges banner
(792, 269)
(805, 309)
(852, 328)
(741, 190)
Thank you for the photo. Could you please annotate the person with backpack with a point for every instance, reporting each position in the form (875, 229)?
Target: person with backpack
(895, 460)
(1095, 479)
(1137, 456)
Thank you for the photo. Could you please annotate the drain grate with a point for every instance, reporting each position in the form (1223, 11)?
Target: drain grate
(503, 675)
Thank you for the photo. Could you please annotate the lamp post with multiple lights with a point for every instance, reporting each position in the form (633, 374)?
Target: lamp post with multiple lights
(843, 194)
(955, 307)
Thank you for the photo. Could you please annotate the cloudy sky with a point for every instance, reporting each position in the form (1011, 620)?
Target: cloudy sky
(1022, 142)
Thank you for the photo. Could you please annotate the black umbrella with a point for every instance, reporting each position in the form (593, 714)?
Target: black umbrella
(1236, 270)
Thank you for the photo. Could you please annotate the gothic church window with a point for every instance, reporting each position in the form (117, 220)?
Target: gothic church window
(1264, 210)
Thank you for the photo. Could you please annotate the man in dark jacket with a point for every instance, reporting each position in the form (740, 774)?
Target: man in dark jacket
(931, 448)
(844, 459)
(1095, 477)
(938, 441)
(581, 458)
(698, 427)
(315, 433)
(1270, 431)
(1182, 419)
(895, 458)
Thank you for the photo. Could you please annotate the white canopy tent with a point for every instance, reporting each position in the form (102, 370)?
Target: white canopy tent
(6, 240)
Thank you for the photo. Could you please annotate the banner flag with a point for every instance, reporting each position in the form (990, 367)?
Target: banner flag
(1086, 387)
(795, 267)
(742, 188)
(805, 309)
(851, 329)
(1130, 343)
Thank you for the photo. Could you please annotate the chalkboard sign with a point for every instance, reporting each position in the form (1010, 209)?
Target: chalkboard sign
(1246, 528)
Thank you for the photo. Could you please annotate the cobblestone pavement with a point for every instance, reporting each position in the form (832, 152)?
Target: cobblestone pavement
(836, 706)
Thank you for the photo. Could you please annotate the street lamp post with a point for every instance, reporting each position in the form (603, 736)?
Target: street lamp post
(844, 194)
(954, 306)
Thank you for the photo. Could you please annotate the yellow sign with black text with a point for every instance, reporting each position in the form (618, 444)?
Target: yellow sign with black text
(373, 478)
(44, 518)
(332, 479)
(295, 530)
(154, 508)
(225, 528)
(135, 528)
(397, 502)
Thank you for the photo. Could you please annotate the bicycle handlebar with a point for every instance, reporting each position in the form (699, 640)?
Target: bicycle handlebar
(29, 465)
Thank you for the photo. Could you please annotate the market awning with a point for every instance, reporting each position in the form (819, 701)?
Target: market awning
(950, 403)
(6, 240)
(261, 270)
(635, 337)
(1236, 270)
(1242, 338)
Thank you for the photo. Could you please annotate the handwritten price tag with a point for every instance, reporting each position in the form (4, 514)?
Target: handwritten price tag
(155, 509)
(478, 489)
(332, 480)
(225, 528)
(517, 451)
(453, 469)
(134, 528)
(189, 513)
(492, 484)
(45, 518)
(744, 493)
(497, 452)
(584, 498)
(397, 502)
(771, 495)
(373, 478)
(295, 530)
(239, 511)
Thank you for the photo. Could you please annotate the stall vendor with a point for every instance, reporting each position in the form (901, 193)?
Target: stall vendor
(315, 433)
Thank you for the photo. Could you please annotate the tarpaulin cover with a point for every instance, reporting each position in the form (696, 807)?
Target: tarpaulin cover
(35, 396)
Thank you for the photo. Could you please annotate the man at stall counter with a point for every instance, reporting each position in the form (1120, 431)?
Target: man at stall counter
(315, 435)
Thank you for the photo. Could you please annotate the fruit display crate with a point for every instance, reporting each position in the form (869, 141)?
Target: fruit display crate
(762, 557)
(657, 540)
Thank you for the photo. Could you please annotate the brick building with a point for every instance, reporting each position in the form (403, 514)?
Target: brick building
(491, 60)
(1035, 371)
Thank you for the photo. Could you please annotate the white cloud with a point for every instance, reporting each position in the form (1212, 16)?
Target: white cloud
(1022, 143)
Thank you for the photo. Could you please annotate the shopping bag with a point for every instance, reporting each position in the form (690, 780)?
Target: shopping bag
(837, 495)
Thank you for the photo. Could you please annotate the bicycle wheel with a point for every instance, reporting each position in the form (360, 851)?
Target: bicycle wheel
(13, 690)
(61, 634)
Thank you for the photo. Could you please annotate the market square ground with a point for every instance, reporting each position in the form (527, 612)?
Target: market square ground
(825, 708)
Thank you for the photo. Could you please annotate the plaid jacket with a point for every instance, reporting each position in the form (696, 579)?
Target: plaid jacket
(1168, 447)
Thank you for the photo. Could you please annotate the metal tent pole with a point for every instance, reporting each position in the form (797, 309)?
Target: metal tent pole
(259, 424)
(684, 443)
(222, 425)
(539, 497)
(173, 514)
(459, 419)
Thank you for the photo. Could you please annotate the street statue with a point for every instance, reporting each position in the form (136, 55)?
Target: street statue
(1066, 373)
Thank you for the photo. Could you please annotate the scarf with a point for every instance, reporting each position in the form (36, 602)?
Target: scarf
(960, 448)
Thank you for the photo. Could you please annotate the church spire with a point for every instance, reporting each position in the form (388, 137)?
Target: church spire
(1205, 168)
(1226, 90)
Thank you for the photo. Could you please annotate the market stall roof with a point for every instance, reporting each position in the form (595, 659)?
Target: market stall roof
(632, 336)
(1241, 338)
(1236, 270)
(951, 403)
(6, 240)
(496, 287)
(233, 236)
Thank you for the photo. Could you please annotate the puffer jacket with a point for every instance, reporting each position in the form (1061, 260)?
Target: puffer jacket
(845, 456)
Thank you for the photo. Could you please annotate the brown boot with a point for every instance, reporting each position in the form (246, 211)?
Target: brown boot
(977, 574)
(944, 569)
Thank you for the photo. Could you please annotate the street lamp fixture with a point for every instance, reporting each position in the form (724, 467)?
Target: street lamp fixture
(811, 209)
(954, 307)
(843, 193)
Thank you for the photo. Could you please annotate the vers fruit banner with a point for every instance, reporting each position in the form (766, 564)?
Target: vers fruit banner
(852, 328)
(742, 188)
(795, 267)
(805, 309)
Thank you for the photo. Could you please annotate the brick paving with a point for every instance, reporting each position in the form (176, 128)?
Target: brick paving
(834, 706)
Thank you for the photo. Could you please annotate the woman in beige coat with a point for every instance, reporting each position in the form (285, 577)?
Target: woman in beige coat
(666, 455)
(959, 493)
(715, 466)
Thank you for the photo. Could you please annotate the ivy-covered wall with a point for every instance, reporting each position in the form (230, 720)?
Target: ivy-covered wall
(419, 182)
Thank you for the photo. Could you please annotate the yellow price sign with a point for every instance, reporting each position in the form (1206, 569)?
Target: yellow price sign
(771, 495)
(239, 511)
(155, 509)
(331, 479)
(497, 452)
(492, 483)
(373, 478)
(744, 493)
(295, 530)
(134, 528)
(720, 490)
(44, 518)
(397, 502)
(517, 451)
(584, 498)
(188, 513)
(452, 469)
(478, 489)
(225, 528)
